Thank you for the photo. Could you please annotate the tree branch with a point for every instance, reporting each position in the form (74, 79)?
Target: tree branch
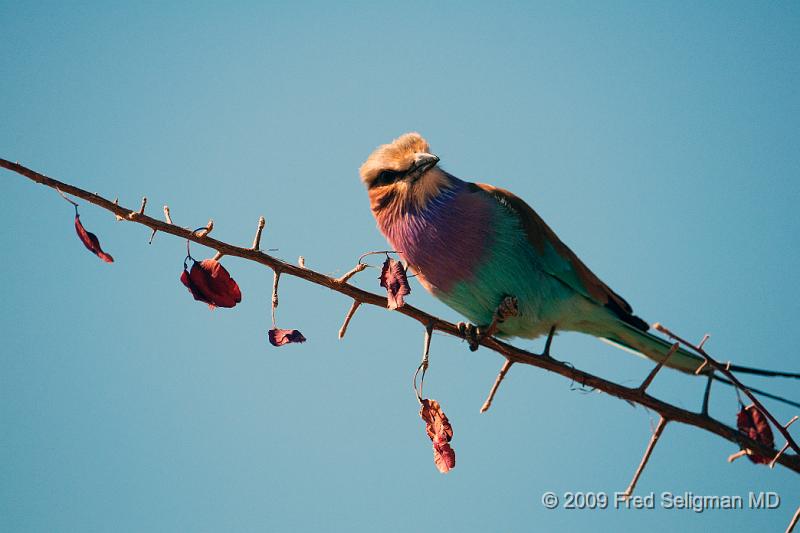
(512, 354)
(738, 384)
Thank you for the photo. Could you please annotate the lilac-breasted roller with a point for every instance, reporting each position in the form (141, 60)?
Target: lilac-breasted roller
(474, 245)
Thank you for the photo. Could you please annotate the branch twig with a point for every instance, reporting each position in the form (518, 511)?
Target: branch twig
(355, 270)
(348, 316)
(785, 446)
(662, 423)
(257, 239)
(649, 379)
(793, 521)
(500, 376)
(276, 276)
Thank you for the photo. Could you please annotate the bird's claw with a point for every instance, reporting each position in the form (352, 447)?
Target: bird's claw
(475, 334)
(507, 308)
(471, 334)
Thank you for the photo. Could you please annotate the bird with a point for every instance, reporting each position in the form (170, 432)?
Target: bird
(488, 255)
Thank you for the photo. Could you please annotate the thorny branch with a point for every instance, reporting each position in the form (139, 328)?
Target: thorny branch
(738, 384)
(637, 395)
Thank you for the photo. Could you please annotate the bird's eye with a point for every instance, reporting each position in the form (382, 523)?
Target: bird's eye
(386, 177)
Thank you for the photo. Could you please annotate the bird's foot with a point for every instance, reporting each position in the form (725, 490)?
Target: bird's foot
(475, 334)
(470, 334)
(507, 308)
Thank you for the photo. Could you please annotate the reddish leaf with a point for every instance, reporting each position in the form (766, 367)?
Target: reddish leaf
(436, 423)
(443, 456)
(90, 240)
(393, 279)
(440, 432)
(209, 282)
(279, 337)
(755, 425)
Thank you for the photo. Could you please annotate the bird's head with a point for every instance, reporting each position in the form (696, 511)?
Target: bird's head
(402, 173)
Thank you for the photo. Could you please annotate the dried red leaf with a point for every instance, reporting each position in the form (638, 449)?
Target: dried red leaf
(209, 282)
(755, 425)
(436, 423)
(443, 456)
(393, 279)
(279, 337)
(90, 240)
(439, 430)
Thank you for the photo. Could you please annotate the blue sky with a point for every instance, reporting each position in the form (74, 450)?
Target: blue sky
(659, 141)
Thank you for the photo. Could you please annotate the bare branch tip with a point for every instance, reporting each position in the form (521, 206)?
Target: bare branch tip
(498, 380)
(793, 521)
(703, 341)
(778, 455)
(355, 270)
(116, 202)
(348, 317)
(662, 423)
(259, 229)
(205, 231)
(701, 368)
(732, 457)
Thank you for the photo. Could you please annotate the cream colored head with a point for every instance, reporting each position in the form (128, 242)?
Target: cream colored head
(402, 171)
(397, 157)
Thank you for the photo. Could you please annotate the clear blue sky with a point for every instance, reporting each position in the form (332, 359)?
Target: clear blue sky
(659, 141)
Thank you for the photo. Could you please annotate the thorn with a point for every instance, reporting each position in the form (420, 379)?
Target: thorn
(785, 446)
(355, 270)
(703, 341)
(205, 231)
(257, 239)
(707, 394)
(549, 341)
(737, 455)
(166, 214)
(700, 368)
(659, 366)
(793, 521)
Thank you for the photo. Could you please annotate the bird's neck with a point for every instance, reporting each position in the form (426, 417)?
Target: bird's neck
(403, 198)
(444, 238)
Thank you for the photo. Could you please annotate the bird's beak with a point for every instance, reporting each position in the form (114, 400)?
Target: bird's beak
(424, 161)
